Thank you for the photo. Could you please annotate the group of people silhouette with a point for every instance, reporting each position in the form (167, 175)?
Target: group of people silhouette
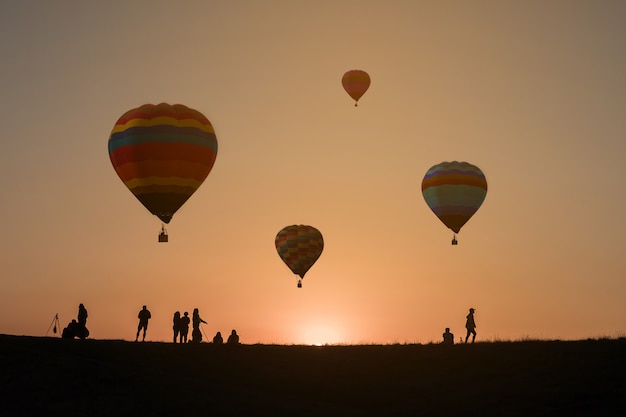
(77, 328)
(181, 329)
(470, 326)
(233, 339)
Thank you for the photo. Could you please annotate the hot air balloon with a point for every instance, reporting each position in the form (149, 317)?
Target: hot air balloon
(356, 83)
(454, 191)
(163, 153)
(299, 247)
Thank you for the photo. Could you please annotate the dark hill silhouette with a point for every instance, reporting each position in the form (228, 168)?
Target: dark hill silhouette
(56, 377)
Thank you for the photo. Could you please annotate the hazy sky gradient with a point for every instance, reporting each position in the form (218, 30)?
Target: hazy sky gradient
(532, 92)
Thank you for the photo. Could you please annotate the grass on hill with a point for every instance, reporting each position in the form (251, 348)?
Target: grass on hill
(54, 377)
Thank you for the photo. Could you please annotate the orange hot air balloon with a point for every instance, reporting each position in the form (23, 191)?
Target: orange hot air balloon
(454, 191)
(356, 83)
(163, 153)
(299, 247)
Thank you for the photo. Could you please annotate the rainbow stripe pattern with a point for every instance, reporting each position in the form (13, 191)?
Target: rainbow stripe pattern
(163, 153)
(454, 191)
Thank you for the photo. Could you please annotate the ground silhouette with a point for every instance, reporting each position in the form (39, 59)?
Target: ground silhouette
(60, 377)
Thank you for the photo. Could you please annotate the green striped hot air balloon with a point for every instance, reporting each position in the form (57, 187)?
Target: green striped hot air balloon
(454, 191)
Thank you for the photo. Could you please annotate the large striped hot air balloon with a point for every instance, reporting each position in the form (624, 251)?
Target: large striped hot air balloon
(454, 191)
(163, 153)
(356, 83)
(299, 247)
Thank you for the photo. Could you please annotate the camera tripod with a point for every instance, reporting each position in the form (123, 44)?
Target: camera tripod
(54, 325)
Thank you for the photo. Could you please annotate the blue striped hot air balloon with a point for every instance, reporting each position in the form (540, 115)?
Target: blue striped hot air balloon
(454, 191)
(163, 153)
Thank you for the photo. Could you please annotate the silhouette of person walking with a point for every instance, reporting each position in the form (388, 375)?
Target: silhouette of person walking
(196, 334)
(233, 339)
(448, 338)
(143, 316)
(217, 339)
(184, 327)
(176, 325)
(470, 325)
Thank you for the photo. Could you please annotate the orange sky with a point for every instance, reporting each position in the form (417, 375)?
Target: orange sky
(532, 92)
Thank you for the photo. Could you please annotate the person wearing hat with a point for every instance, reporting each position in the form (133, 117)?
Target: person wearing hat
(470, 325)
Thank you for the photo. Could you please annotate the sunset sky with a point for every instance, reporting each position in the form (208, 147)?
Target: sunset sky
(532, 92)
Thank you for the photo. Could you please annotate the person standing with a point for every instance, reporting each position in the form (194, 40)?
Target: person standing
(81, 329)
(196, 334)
(470, 325)
(176, 325)
(184, 327)
(144, 315)
(82, 315)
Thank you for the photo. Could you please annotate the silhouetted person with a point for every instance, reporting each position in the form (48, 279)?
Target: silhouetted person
(74, 329)
(176, 326)
(448, 338)
(82, 315)
(196, 334)
(233, 339)
(184, 327)
(71, 331)
(143, 316)
(81, 329)
(470, 325)
(217, 339)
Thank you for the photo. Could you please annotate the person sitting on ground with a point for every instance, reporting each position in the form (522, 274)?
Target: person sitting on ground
(74, 329)
(448, 338)
(233, 339)
(71, 331)
(217, 339)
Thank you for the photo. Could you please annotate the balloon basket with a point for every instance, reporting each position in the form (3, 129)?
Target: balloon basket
(163, 235)
(299, 283)
(454, 241)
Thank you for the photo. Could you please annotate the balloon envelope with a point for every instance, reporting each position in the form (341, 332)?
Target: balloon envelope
(454, 191)
(163, 153)
(356, 83)
(299, 247)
